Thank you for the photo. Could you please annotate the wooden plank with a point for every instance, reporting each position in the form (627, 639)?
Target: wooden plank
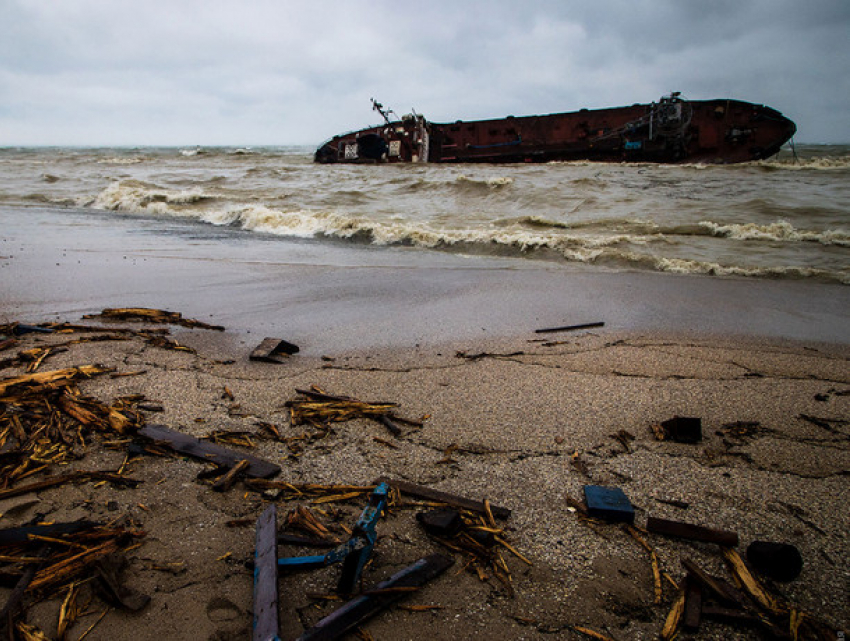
(210, 452)
(429, 494)
(692, 532)
(384, 594)
(266, 618)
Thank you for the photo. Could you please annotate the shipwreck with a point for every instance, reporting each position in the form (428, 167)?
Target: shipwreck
(672, 130)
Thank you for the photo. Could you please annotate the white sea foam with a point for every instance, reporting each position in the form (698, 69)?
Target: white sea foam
(780, 231)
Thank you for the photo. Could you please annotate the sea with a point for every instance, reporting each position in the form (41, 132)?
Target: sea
(784, 218)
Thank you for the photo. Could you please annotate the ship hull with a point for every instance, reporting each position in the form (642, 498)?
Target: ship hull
(671, 131)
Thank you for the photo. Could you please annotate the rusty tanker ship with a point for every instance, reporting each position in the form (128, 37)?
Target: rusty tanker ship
(673, 130)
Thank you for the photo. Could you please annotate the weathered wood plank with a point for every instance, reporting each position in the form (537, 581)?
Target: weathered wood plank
(210, 452)
(266, 620)
(429, 494)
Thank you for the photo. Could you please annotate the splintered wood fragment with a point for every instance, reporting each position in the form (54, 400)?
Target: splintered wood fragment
(430, 494)
(61, 479)
(59, 572)
(53, 376)
(692, 532)
(671, 624)
(210, 452)
(334, 498)
(593, 634)
(568, 328)
(750, 583)
(228, 480)
(273, 350)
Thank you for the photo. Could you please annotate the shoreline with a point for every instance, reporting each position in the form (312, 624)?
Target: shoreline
(332, 299)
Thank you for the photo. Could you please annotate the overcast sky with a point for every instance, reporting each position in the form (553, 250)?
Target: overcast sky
(255, 72)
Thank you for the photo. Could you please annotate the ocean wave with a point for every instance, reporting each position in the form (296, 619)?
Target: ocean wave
(779, 231)
(138, 197)
(828, 162)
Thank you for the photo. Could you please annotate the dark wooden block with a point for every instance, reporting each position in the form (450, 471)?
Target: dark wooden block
(683, 429)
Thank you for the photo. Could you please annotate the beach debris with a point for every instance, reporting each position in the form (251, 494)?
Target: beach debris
(208, 452)
(384, 594)
(680, 429)
(482, 355)
(273, 350)
(148, 315)
(692, 532)
(608, 503)
(265, 622)
(68, 477)
(316, 492)
(478, 538)
(228, 479)
(19, 329)
(441, 522)
(354, 553)
(436, 496)
(693, 604)
(475, 536)
(65, 554)
(779, 561)
(569, 328)
(320, 409)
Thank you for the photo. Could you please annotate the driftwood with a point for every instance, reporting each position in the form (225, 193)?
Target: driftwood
(147, 315)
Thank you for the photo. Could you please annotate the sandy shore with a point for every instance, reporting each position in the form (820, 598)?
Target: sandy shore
(520, 422)
(521, 419)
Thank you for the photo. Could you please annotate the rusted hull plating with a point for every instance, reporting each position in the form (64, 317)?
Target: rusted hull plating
(673, 130)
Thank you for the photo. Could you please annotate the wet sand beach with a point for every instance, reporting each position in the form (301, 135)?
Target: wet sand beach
(521, 419)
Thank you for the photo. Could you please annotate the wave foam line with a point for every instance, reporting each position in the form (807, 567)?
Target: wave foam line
(781, 231)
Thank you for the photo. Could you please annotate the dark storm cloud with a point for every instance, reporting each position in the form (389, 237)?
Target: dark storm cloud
(271, 72)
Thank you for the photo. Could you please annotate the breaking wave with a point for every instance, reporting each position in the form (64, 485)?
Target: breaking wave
(610, 250)
(137, 197)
